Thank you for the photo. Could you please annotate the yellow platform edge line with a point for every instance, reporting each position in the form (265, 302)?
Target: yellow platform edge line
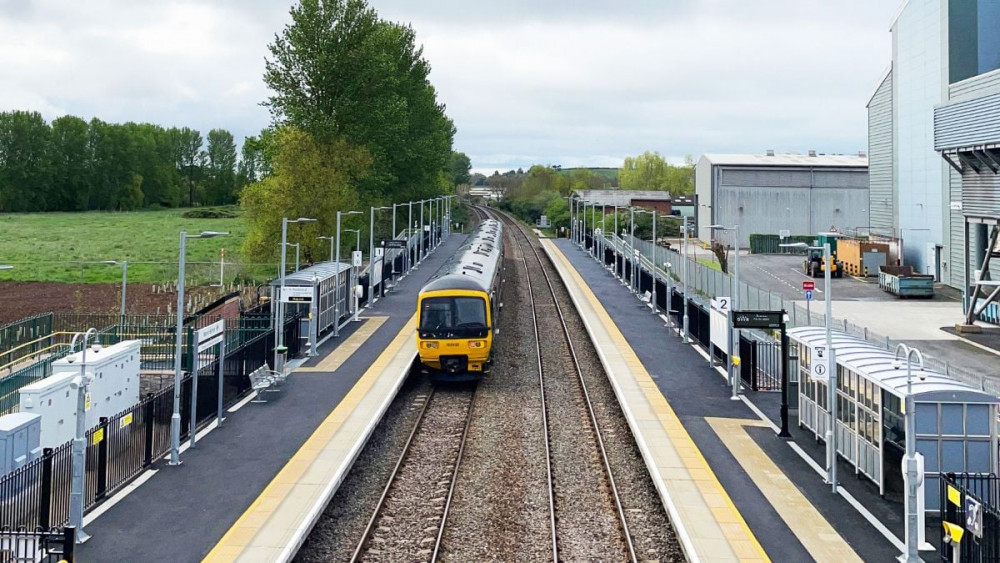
(814, 531)
(308, 452)
(631, 358)
(347, 348)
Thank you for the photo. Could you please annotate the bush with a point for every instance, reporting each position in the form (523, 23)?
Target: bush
(222, 212)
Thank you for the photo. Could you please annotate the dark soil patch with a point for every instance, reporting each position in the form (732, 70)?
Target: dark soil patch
(24, 299)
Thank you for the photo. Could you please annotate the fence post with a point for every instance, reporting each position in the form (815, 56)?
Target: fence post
(45, 496)
(69, 543)
(102, 460)
(148, 419)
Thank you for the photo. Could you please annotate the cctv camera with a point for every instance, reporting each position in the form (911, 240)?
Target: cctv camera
(896, 364)
(922, 375)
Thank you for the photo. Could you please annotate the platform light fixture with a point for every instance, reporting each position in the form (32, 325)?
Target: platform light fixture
(175, 418)
(912, 478)
(734, 334)
(831, 435)
(78, 484)
(336, 297)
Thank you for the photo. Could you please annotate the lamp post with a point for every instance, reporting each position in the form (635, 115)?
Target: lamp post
(600, 257)
(684, 270)
(912, 477)
(616, 246)
(734, 334)
(409, 237)
(175, 418)
(831, 434)
(420, 236)
(77, 486)
(371, 252)
(336, 296)
(279, 309)
(331, 239)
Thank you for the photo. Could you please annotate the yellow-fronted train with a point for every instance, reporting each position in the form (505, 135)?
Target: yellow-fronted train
(458, 308)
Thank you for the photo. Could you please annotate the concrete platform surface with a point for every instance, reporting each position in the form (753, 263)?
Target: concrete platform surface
(182, 512)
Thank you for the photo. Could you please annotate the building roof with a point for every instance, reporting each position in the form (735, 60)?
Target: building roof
(321, 271)
(821, 160)
(621, 198)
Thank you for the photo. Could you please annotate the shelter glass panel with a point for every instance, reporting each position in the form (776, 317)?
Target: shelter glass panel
(927, 419)
(952, 420)
(929, 449)
(977, 456)
(952, 455)
(977, 421)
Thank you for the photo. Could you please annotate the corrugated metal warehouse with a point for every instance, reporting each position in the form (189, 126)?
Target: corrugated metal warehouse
(766, 194)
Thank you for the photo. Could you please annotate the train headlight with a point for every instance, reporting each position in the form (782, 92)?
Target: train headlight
(429, 345)
(477, 343)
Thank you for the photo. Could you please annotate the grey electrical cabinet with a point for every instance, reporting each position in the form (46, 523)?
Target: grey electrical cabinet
(20, 440)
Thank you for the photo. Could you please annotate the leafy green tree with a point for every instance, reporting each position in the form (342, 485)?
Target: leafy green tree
(309, 179)
(25, 171)
(650, 171)
(338, 71)
(221, 167)
(458, 167)
(71, 162)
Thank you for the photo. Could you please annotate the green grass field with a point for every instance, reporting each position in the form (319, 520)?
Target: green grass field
(57, 246)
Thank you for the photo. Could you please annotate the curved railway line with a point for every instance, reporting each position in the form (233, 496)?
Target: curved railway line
(545, 373)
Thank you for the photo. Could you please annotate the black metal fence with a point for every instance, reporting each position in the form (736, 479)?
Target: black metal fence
(120, 447)
(37, 545)
(760, 364)
(981, 540)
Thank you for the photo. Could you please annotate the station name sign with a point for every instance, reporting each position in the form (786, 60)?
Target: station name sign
(758, 319)
(297, 294)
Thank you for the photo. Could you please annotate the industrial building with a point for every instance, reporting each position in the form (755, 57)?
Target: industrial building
(934, 133)
(778, 193)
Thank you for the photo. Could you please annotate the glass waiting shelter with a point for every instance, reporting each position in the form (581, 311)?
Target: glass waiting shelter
(954, 421)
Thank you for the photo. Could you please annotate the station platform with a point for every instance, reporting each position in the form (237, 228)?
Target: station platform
(250, 489)
(732, 488)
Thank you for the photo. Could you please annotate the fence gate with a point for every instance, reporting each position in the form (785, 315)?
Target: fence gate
(970, 505)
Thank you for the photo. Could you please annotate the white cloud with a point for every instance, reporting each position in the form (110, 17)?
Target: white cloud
(560, 82)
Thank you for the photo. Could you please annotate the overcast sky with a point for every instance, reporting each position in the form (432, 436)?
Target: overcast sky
(569, 82)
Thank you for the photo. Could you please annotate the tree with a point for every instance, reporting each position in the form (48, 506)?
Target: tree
(458, 168)
(25, 171)
(309, 179)
(221, 167)
(339, 72)
(71, 161)
(650, 171)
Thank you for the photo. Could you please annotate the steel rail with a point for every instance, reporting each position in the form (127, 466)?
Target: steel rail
(583, 386)
(454, 478)
(392, 478)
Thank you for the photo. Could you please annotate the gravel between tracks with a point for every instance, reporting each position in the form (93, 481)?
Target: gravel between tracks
(652, 533)
(339, 529)
(407, 527)
(500, 510)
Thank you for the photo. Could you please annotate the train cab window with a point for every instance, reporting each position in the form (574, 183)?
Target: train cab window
(453, 317)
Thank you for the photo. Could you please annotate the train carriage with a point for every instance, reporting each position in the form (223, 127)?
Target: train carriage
(458, 308)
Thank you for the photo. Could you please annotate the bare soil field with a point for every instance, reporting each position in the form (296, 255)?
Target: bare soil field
(24, 299)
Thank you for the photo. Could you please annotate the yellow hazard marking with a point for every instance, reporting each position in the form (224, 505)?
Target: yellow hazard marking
(817, 535)
(954, 496)
(347, 348)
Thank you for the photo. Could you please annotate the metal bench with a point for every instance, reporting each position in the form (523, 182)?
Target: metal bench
(278, 377)
(261, 381)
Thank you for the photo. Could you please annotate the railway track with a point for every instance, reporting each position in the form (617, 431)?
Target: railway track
(562, 510)
(410, 517)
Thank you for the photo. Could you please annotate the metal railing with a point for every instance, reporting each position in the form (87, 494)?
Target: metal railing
(984, 490)
(23, 545)
(709, 283)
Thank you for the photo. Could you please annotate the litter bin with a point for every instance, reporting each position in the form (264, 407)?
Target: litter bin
(282, 356)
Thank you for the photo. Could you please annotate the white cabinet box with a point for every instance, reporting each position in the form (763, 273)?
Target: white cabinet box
(114, 388)
(20, 440)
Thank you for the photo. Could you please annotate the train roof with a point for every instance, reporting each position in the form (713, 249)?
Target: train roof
(474, 264)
